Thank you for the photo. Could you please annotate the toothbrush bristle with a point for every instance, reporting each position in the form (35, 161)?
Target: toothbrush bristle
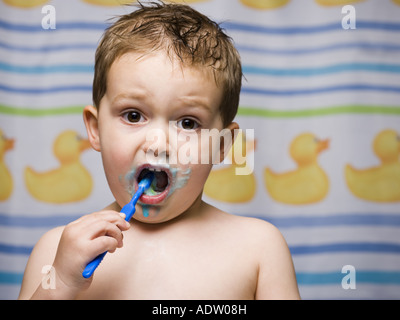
(146, 181)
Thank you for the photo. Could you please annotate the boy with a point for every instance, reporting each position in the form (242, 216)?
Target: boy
(163, 71)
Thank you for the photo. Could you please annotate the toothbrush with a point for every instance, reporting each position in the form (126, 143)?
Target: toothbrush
(129, 209)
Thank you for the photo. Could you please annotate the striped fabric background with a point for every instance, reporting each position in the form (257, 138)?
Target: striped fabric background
(304, 73)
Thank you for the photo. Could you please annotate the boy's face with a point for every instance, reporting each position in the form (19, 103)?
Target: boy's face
(153, 117)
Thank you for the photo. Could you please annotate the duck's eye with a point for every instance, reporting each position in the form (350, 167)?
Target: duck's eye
(133, 117)
(188, 124)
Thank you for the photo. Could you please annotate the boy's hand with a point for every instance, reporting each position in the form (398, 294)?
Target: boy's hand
(83, 240)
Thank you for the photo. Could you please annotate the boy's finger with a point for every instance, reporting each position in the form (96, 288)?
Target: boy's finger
(102, 244)
(114, 216)
(104, 228)
(110, 216)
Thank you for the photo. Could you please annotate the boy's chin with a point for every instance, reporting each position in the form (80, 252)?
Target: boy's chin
(154, 217)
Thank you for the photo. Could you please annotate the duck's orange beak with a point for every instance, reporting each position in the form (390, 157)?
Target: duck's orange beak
(398, 141)
(84, 144)
(9, 144)
(322, 145)
(251, 146)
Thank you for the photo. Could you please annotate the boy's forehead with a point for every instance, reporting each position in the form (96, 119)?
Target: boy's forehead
(136, 65)
(176, 63)
(133, 73)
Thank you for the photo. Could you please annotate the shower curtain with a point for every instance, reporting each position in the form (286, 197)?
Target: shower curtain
(319, 109)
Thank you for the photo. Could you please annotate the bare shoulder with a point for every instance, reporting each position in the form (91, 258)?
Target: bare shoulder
(49, 241)
(259, 228)
(251, 229)
(265, 245)
(42, 255)
(262, 236)
(276, 275)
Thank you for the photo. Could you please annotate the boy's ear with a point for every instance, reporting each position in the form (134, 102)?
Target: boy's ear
(226, 143)
(90, 117)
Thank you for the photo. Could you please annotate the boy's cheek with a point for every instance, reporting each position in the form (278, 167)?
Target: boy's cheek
(210, 150)
(203, 148)
(198, 178)
(116, 169)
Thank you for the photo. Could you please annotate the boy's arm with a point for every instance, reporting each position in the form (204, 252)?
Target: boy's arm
(66, 251)
(276, 277)
(37, 283)
(42, 255)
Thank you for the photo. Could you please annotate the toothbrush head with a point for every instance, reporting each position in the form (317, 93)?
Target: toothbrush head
(145, 183)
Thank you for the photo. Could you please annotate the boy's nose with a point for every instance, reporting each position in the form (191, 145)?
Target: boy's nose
(157, 145)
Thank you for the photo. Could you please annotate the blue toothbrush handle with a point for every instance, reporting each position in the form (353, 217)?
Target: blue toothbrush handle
(92, 265)
(129, 209)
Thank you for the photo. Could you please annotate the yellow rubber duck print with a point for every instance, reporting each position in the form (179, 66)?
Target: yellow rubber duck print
(25, 3)
(396, 2)
(309, 182)
(336, 2)
(225, 184)
(380, 183)
(70, 182)
(264, 4)
(6, 181)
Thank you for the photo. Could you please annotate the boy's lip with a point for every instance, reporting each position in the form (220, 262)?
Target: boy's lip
(158, 198)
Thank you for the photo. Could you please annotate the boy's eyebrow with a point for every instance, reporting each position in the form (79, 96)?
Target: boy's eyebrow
(192, 101)
(131, 95)
(196, 102)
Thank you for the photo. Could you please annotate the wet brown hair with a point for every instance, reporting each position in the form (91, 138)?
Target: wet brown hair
(182, 32)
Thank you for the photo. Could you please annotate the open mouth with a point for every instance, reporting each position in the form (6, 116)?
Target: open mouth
(160, 186)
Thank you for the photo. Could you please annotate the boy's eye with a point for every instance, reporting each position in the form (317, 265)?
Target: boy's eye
(188, 124)
(133, 117)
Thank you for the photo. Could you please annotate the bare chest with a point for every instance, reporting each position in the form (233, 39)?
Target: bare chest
(159, 269)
